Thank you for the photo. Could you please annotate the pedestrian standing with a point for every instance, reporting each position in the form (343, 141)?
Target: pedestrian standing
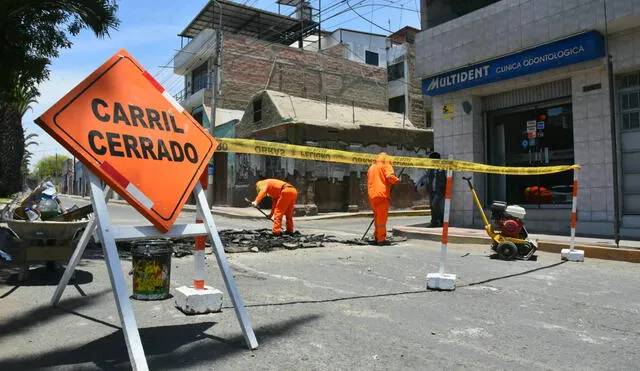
(435, 183)
(380, 177)
(283, 198)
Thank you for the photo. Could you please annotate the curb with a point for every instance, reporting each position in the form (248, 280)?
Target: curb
(322, 217)
(594, 252)
(314, 217)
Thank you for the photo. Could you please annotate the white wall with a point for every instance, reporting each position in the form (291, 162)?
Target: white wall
(357, 43)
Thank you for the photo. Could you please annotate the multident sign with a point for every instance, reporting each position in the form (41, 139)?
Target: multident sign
(576, 49)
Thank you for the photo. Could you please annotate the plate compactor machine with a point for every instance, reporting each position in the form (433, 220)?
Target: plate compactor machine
(509, 241)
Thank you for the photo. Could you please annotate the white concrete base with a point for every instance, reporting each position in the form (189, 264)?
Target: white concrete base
(192, 301)
(573, 256)
(441, 281)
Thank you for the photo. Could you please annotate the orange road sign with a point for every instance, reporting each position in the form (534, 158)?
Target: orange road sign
(129, 131)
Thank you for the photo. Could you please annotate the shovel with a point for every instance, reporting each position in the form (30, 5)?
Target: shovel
(259, 209)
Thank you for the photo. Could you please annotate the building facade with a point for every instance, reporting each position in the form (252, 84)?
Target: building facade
(526, 83)
(277, 117)
(405, 92)
(255, 54)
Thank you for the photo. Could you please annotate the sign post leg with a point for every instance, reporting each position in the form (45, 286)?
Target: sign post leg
(125, 311)
(77, 253)
(238, 303)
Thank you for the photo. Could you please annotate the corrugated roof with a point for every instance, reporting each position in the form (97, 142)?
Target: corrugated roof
(312, 112)
(248, 21)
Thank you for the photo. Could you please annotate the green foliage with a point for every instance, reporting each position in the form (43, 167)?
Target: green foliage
(50, 166)
(33, 31)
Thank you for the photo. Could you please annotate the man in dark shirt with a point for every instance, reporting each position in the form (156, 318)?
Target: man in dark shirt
(435, 183)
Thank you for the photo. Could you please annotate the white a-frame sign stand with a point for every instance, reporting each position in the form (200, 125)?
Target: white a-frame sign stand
(109, 234)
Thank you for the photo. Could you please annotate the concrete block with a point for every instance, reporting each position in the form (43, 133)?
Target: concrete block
(441, 281)
(353, 208)
(192, 301)
(574, 256)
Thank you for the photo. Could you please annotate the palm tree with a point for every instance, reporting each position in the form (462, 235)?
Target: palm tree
(12, 140)
(31, 33)
(26, 159)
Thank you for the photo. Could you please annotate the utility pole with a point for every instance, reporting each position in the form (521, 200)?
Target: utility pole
(215, 78)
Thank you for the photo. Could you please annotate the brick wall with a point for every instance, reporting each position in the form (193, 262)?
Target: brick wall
(250, 65)
(416, 102)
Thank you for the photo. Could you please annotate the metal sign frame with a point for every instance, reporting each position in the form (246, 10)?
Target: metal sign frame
(109, 234)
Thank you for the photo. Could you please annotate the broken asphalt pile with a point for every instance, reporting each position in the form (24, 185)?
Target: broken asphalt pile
(262, 240)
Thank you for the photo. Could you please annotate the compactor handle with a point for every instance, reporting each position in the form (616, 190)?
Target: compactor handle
(468, 181)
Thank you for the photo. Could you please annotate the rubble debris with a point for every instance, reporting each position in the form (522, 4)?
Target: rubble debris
(260, 240)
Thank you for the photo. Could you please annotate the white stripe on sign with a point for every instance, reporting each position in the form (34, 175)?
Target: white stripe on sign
(170, 98)
(144, 200)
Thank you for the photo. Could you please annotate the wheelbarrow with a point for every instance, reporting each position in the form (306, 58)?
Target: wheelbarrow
(48, 241)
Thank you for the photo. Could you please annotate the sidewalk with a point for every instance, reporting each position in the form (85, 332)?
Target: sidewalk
(252, 213)
(600, 248)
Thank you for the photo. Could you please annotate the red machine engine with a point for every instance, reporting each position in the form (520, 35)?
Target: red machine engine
(509, 227)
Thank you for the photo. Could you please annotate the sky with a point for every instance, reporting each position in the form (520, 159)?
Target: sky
(149, 28)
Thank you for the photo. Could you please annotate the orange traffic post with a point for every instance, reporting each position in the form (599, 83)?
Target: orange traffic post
(571, 253)
(442, 280)
(200, 243)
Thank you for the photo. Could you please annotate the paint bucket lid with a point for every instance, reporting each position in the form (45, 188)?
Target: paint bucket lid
(152, 248)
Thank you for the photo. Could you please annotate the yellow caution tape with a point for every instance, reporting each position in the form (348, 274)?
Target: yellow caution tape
(259, 147)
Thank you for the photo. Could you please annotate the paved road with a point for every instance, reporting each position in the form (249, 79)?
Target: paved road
(343, 307)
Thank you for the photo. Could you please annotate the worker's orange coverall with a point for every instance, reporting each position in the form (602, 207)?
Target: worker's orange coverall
(379, 179)
(283, 198)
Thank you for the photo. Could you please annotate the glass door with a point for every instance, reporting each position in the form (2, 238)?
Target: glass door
(539, 135)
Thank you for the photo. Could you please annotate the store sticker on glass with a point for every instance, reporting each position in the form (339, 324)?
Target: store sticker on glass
(532, 142)
(540, 125)
(531, 134)
(525, 143)
(531, 124)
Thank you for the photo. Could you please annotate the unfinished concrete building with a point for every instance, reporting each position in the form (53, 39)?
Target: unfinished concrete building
(255, 54)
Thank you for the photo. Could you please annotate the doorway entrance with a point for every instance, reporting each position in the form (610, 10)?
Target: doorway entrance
(532, 136)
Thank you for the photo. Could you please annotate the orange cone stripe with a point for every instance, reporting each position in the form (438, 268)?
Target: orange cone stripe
(447, 194)
(198, 284)
(445, 232)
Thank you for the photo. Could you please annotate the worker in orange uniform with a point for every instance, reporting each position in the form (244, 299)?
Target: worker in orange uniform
(283, 196)
(537, 194)
(380, 177)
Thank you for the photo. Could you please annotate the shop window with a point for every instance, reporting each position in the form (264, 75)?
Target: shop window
(630, 101)
(371, 58)
(199, 78)
(257, 110)
(534, 136)
(395, 71)
(397, 104)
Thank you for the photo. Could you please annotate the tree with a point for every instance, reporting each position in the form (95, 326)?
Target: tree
(32, 32)
(50, 166)
(26, 158)
(12, 141)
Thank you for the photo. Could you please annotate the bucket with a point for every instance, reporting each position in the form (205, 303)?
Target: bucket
(151, 269)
